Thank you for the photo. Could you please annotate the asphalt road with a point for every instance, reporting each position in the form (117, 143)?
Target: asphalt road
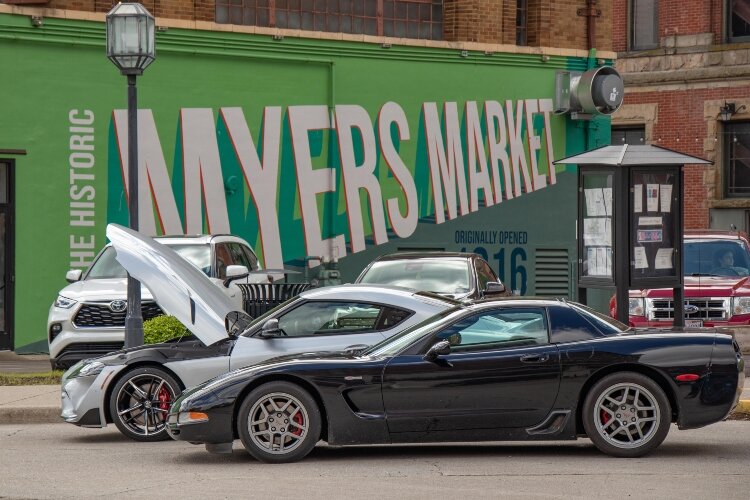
(62, 461)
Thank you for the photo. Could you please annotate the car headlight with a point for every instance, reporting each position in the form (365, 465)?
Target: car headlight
(635, 307)
(65, 302)
(740, 305)
(87, 369)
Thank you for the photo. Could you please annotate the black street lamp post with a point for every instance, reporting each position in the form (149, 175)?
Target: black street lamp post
(131, 47)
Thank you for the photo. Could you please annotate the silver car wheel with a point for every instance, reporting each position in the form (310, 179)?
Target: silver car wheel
(143, 404)
(278, 423)
(627, 415)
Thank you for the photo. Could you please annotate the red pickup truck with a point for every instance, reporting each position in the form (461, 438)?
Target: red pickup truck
(717, 286)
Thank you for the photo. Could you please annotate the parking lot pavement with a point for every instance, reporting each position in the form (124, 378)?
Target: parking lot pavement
(10, 362)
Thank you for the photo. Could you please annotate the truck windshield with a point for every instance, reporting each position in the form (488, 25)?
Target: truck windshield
(705, 257)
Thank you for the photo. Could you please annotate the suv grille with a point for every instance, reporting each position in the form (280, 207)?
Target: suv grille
(708, 309)
(100, 315)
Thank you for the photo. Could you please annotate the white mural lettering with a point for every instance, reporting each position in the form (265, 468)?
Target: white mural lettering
(403, 225)
(261, 176)
(359, 177)
(311, 182)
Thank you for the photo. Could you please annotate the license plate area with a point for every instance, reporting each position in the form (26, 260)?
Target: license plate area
(694, 322)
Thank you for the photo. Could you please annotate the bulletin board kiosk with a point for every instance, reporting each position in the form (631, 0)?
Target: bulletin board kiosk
(630, 221)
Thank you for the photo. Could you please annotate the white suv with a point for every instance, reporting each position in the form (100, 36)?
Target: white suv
(88, 317)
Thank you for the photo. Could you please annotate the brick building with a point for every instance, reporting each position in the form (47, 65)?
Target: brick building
(684, 62)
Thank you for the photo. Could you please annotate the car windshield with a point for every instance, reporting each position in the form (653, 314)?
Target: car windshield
(432, 275)
(393, 345)
(719, 257)
(106, 265)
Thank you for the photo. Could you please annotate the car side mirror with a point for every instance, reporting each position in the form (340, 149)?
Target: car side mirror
(236, 322)
(494, 288)
(235, 273)
(442, 348)
(73, 275)
(270, 329)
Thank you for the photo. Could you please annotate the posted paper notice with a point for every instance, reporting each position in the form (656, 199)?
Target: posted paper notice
(641, 261)
(638, 198)
(664, 258)
(652, 197)
(666, 198)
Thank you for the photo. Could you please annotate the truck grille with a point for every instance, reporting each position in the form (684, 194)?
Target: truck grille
(708, 309)
(100, 315)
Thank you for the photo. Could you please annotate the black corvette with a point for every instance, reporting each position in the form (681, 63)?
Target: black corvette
(498, 369)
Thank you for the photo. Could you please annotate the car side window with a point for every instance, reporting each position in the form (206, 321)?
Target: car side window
(568, 326)
(498, 329)
(223, 259)
(251, 257)
(330, 318)
(484, 274)
(238, 256)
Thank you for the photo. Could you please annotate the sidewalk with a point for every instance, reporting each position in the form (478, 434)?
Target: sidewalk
(32, 404)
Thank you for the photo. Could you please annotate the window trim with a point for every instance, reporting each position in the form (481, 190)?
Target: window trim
(632, 47)
(728, 26)
(726, 147)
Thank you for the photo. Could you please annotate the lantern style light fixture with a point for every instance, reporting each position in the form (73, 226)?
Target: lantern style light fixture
(131, 47)
(130, 38)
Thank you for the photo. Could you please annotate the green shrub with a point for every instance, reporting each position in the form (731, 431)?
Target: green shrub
(162, 328)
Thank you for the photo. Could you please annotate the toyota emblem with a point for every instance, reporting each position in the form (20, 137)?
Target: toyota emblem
(118, 306)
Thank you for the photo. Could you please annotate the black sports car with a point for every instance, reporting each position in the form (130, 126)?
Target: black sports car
(497, 369)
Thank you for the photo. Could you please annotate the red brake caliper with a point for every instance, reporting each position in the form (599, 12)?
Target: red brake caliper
(605, 417)
(164, 398)
(297, 418)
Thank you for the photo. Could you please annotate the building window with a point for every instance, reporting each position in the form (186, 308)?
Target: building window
(522, 13)
(644, 23)
(737, 159)
(738, 20)
(421, 19)
(628, 135)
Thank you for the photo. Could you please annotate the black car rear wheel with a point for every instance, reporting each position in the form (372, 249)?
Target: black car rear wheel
(626, 414)
(140, 402)
(279, 422)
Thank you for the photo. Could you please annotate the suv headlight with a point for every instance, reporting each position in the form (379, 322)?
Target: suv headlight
(64, 302)
(740, 305)
(635, 307)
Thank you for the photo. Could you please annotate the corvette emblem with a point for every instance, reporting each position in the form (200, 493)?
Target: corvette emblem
(118, 306)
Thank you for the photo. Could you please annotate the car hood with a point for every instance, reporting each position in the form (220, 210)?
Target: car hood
(100, 290)
(179, 288)
(702, 286)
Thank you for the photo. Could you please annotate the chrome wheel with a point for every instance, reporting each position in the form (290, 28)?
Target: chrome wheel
(278, 423)
(626, 415)
(142, 404)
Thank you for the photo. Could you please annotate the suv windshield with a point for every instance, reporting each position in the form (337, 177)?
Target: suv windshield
(106, 266)
(432, 275)
(706, 257)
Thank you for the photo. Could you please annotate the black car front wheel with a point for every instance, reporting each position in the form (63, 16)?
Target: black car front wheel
(626, 414)
(279, 422)
(140, 402)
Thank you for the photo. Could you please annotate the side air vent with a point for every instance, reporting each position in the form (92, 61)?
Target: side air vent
(552, 272)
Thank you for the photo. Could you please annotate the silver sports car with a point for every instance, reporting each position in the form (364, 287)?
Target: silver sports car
(134, 388)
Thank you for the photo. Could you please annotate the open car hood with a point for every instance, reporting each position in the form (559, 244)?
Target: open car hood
(180, 289)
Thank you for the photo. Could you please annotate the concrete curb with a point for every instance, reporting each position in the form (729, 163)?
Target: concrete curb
(30, 415)
(743, 407)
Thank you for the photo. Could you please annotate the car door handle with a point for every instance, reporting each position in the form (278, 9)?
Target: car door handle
(534, 358)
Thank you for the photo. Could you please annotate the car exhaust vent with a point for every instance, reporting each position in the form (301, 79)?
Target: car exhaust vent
(552, 272)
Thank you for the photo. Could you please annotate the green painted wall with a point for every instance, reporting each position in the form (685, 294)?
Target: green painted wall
(60, 71)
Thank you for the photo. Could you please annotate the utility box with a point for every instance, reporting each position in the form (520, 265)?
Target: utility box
(630, 221)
